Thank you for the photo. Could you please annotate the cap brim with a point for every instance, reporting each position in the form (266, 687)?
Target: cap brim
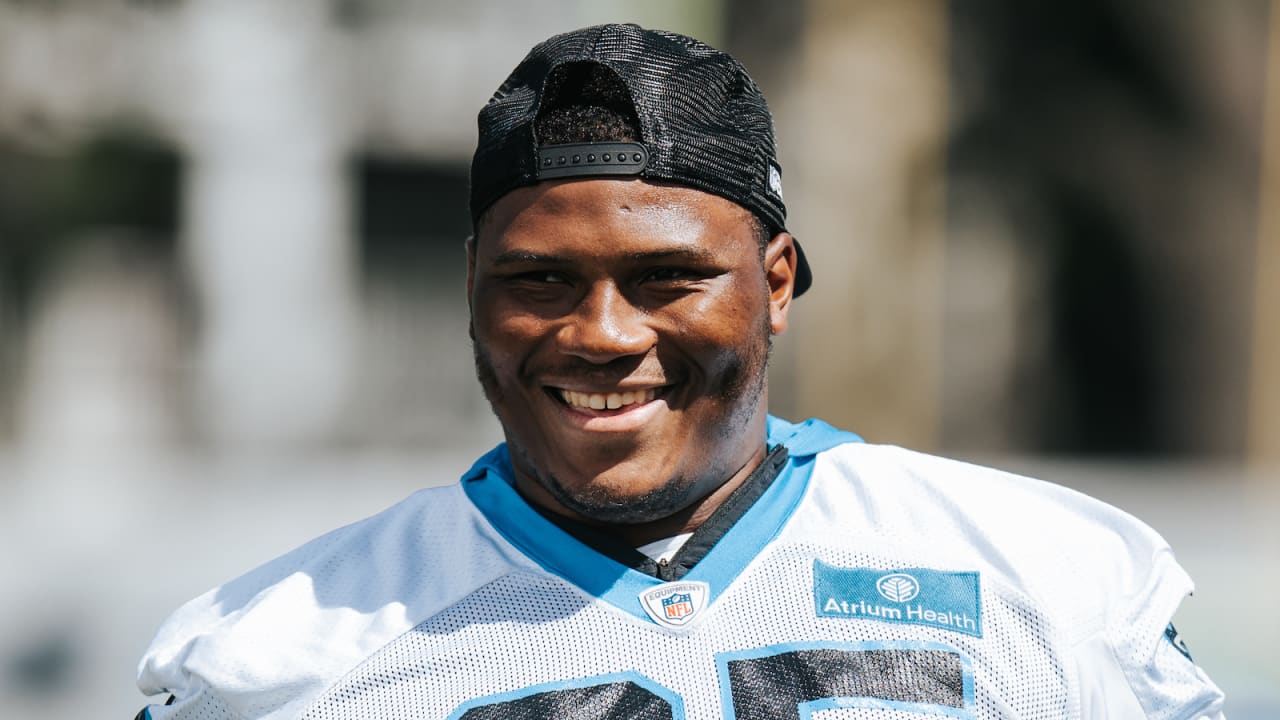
(804, 276)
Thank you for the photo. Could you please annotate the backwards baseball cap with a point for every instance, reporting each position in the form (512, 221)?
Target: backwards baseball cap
(703, 123)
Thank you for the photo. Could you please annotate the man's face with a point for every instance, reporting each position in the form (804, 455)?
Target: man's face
(621, 332)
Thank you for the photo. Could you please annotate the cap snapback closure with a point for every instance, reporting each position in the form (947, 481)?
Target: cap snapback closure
(587, 159)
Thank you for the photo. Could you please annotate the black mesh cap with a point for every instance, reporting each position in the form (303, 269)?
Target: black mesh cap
(703, 123)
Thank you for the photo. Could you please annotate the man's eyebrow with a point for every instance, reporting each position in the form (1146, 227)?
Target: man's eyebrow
(514, 257)
(523, 257)
(686, 254)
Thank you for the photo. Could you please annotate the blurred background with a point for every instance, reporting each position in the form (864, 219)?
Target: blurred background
(1046, 236)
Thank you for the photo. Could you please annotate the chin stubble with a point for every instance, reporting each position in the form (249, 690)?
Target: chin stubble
(596, 503)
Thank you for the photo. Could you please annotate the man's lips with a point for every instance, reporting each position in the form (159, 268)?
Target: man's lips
(606, 400)
(615, 410)
(625, 407)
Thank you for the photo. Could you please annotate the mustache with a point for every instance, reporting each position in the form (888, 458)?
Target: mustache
(647, 370)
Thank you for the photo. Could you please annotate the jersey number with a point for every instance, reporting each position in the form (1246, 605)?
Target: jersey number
(786, 682)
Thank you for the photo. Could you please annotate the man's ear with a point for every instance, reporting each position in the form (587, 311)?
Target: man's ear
(780, 270)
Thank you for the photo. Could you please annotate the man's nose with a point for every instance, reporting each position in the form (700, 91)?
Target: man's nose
(605, 326)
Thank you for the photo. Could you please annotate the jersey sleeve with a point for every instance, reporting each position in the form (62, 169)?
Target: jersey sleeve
(186, 695)
(1136, 666)
(200, 705)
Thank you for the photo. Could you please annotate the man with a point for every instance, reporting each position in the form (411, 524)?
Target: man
(649, 543)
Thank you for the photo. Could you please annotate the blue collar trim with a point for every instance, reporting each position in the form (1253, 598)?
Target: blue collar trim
(490, 486)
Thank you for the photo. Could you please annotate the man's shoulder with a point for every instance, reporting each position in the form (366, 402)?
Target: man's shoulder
(1037, 536)
(890, 474)
(337, 554)
(938, 489)
(319, 609)
(907, 476)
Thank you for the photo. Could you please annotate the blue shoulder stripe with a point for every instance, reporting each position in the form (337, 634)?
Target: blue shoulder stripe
(809, 437)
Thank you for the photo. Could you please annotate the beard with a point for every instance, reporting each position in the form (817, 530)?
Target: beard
(739, 387)
(600, 505)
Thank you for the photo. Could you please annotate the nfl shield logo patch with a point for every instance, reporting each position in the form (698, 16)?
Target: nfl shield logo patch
(675, 604)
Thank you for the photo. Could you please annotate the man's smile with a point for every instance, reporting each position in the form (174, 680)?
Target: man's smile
(606, 401)
(619, 410)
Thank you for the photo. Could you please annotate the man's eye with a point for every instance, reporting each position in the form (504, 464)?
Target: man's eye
(542, 277)
(668, 274)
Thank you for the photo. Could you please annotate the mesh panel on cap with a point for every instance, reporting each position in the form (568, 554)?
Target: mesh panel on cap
(703, 118)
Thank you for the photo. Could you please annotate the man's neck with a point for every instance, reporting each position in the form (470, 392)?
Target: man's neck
(685, 520)
(697, 544)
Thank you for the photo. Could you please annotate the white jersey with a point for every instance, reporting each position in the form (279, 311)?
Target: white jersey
(867, 582)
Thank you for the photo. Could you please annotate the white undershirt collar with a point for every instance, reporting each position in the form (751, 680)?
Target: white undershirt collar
(666, 548)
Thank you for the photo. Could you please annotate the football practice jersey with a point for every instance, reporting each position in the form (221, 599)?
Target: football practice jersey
(867, 582)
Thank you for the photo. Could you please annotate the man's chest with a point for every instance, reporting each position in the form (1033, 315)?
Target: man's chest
(814, 630)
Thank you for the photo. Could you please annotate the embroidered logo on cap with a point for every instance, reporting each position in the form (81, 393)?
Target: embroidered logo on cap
(775, 180)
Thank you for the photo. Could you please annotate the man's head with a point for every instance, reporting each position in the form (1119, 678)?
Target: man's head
(628, 269)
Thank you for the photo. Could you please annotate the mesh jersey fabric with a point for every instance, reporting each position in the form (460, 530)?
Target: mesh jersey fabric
(456, 604)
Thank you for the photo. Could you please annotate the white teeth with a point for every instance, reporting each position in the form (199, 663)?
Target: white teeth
(612, 401)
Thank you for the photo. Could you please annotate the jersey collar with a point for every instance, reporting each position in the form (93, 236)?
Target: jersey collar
(490, 486)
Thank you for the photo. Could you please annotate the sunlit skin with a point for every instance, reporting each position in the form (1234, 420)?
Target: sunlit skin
(654, 293)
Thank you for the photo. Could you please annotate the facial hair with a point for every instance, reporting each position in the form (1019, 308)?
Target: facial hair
(741, 386)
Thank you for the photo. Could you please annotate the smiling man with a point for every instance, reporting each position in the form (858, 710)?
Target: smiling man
(649, 542)
(622, 330)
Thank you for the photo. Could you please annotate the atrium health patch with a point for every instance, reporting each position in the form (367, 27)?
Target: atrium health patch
(917, 596)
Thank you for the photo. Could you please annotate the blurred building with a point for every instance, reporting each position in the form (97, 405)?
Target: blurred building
(231, 261)
(1038, 229)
